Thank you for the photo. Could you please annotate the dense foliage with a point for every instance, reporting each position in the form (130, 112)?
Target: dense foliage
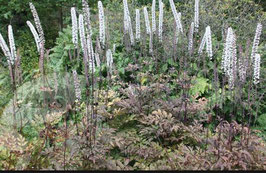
(154, 104)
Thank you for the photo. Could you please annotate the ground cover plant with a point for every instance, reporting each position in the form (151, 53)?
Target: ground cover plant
(134, 85)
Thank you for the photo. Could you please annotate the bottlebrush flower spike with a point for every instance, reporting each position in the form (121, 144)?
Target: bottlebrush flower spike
(196, 15)
(12, 44)
(176, 16)
(207, 40)
(126, 13)
(5, 49)
(101, 23)
(202, 44)
(91, 55)
(160, 29)
(109, 57)
(190, 37)
(35, 35)
(86, 13)
(153, 14)
(74, 27)
(37, 23)
(256, 41)
(256, 75)
(127, 22)
(147, 21)
(97, 58)
(76, 85)
(229, 58)
(227, 53)
(82, 33)
(137, 24)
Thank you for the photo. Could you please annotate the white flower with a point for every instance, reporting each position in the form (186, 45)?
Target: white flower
(97, 58)
(5, 49)
(109, 57)
(206, 40)
(74, 27)
(86, 13)
(176, 16)
(91, 55)
(256, 75)
(126, 13)
(132, 40)
(127, 22)
(101, 23)
(229, 58)
(209, 41)
(37, 23)
(256, 41)
(35, 35)
(202, 44)
(76, 85)
(147, 21)
(153, 14)
(82, 34)
(12, 44)
(137, 24)
(160, 29)
(196, 15)
(190, 37)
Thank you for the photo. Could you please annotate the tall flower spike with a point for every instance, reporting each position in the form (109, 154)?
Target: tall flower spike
(227, 53)
(147, 21)
(229, 58)
(101, 23)
(160, 29)
(256, 41)
(176, 16)
(137, 24)
(202, 44)
(256, 75)
(91, 55)
(82, 33)
(74, 27)
(12, 44)
(76, 85)
(126, 11)
(153, 14)
(5, 49)
(37, 23)
(190, 37)
(97, 58)
(127, 22)
(196, 15)
(86, 13)
(209, 42)
(35, 35)
(109, 57)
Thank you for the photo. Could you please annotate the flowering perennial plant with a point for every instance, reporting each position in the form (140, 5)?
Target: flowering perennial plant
(137, 24)
(37, 23)
(153, 15)
(196, 15)
(74, 27)
(35, 35)
(160, 28)
(256, 41)
(147, 21)
(101, 23)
